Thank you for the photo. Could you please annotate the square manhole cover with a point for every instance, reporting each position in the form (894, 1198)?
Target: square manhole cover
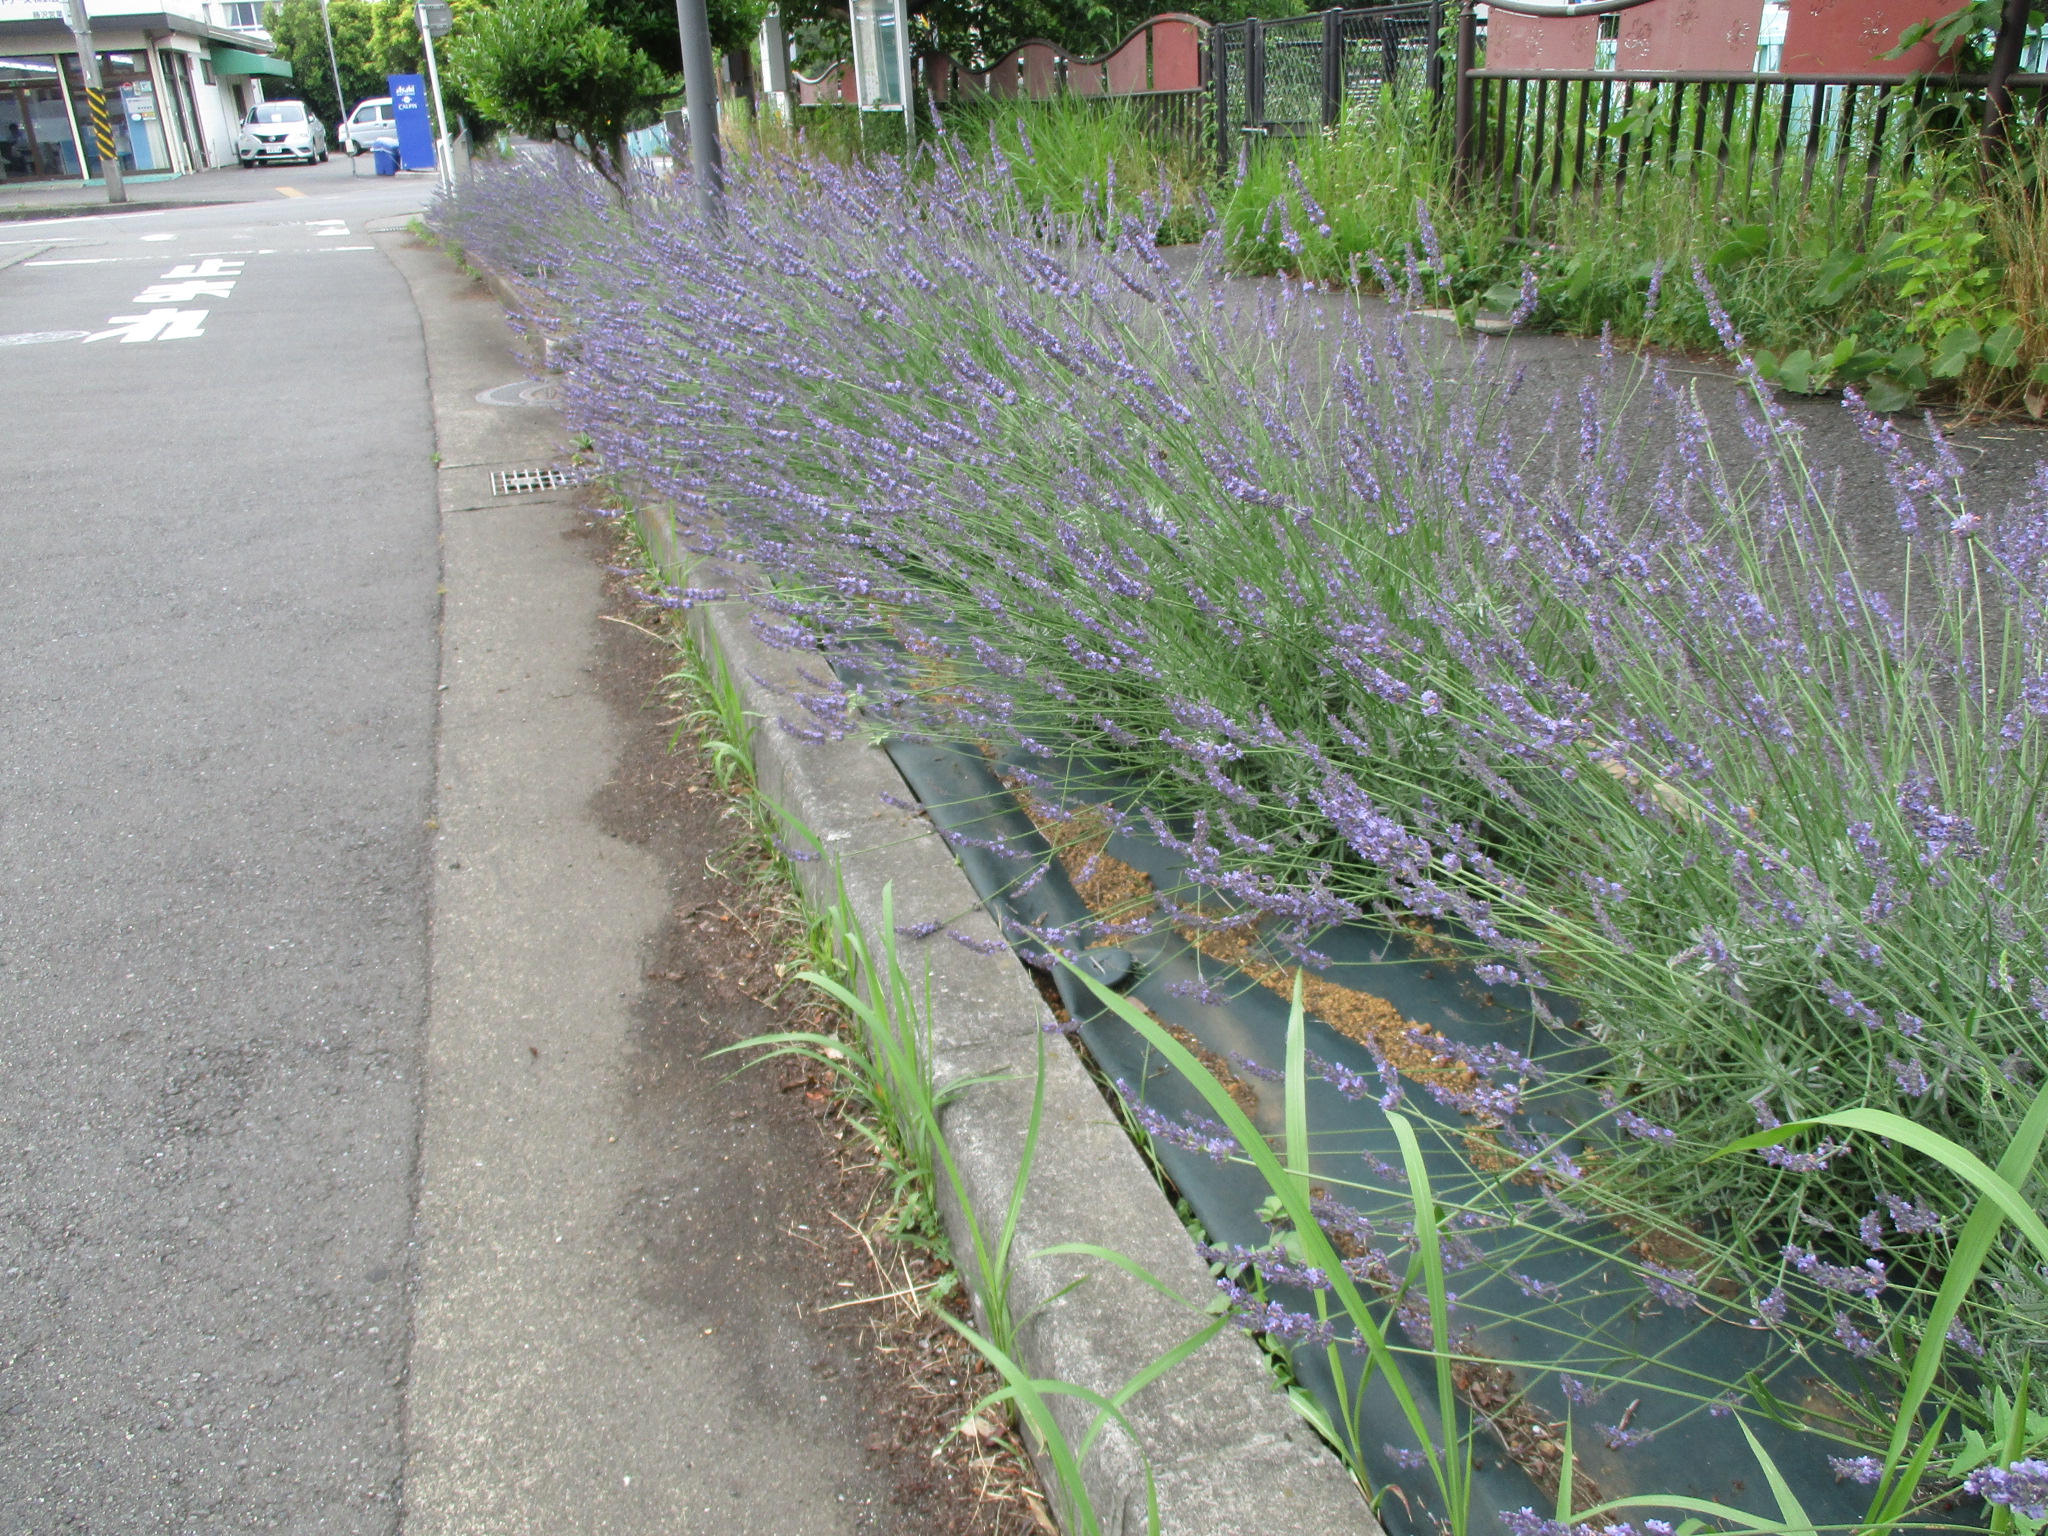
(519, 482)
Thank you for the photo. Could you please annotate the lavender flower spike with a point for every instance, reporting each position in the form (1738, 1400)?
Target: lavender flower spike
(2021, 1487)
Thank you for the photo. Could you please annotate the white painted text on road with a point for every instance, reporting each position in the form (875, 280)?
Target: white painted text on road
(157, 325)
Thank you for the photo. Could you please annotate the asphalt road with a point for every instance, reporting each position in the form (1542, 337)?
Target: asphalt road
(218, 655)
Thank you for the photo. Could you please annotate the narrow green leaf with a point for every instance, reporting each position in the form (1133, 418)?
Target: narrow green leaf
(1789, 1508)
(1297, 1089)
(1966, 1259)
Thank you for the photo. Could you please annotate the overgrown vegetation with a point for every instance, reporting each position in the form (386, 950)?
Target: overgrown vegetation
(1628, 729)
(1937, 292)
(1937, 288)
(549, 71)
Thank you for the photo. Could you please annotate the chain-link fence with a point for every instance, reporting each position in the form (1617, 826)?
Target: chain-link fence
(1304, 73)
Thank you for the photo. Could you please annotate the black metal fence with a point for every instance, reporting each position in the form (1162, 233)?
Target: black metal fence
(1740, 140)
(1743, 138)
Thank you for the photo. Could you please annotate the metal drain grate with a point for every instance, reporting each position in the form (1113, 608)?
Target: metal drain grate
(518, 482)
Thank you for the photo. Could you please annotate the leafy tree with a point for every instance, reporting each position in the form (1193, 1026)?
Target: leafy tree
(978, 32)
(295, 27)
(551, 72)
(396, 49)
(650, 26)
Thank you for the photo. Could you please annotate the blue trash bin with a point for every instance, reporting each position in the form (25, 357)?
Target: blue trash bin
(384, 156)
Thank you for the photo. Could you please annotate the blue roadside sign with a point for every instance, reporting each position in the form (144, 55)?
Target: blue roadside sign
(415, 121)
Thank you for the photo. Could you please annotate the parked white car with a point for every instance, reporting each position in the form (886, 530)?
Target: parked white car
(371, 121)
(280, 130)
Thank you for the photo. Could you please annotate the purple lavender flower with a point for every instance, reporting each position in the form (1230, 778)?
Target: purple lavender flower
(1964, 1340)
(1816, 1161)
(1911, 1218)
(1380, 1168)
(1577, 1391)
(1664, 1284)
(979, 946)
(2021, 1487)
(1273, 1264)
(1539, 1290)
(1250, 1068)
(1527, 300)
(1850, 1338)
(1871, 1230)
(1620, 1437)
(1337, 1217)
(1911, 1075)
(1856, 1469)
(1432, 248)
(1198, 1135)
(1771, 1309)
(1868, 1281)
(1254, 1315)
(1404, 1458)
(1645, 1130)
(1850, 1005)
(1526, 1522)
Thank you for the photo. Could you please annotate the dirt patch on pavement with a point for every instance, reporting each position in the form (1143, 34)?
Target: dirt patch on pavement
(782, 1234)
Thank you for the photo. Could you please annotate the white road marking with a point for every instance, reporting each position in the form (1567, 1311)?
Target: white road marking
(350, 247)
(183, 293)
(31, 338)
(213, 267)
(159, 237)
(80, 261)
(157, 325)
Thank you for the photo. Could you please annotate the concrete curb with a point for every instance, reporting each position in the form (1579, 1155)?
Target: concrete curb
(1226, 1451)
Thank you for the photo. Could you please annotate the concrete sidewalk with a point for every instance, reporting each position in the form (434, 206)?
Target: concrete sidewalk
(614, 1331)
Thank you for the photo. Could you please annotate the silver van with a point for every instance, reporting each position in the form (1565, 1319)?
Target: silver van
(371, 121)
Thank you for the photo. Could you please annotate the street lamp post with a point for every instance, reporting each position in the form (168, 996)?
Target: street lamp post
(96, 99)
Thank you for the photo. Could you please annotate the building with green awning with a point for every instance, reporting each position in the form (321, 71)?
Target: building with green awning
(177, 85)
(239, 61)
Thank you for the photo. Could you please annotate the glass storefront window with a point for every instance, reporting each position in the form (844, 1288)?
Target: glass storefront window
(35, 130)
(132, 109)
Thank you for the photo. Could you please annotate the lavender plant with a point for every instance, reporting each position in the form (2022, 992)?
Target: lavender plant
(1615, 713)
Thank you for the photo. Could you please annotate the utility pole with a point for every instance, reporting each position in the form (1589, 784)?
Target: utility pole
(437, 20)
(96, 99)
(700, 87)
(340, 101)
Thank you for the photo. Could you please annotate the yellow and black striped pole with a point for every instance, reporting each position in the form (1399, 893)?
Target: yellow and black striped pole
(96, 101)
(102, 130)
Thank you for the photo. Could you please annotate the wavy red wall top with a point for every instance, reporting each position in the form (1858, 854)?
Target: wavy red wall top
(1163, 53)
